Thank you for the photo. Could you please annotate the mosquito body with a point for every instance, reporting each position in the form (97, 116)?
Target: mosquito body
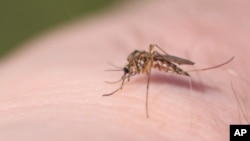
(141, 62)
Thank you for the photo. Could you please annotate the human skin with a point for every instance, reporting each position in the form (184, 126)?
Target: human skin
(51, 89)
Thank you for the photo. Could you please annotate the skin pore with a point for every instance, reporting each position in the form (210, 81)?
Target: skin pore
(51, 89)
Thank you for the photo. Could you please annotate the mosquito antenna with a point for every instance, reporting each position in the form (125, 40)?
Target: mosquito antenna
(118, 68)
(115, 66)
(113, 70)
(203, 69)
(112, 82)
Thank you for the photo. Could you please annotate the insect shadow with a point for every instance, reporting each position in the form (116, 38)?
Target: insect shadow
(182, 82)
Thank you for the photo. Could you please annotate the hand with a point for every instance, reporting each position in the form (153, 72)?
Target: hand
(52, 89)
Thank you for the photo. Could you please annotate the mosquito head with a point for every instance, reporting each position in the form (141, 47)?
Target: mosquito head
(126, 69)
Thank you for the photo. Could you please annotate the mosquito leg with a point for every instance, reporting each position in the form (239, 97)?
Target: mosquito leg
(151, 46)
(120, 88)
(146, 103)
(148, 71)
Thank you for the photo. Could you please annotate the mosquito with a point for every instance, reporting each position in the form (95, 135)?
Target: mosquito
(141, 62)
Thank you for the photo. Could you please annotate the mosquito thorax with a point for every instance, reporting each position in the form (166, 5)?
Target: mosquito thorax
(133, 55)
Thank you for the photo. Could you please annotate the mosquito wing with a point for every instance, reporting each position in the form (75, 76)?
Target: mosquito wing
(174, 59)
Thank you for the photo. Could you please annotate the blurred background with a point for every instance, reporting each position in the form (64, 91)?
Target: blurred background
(20, 20)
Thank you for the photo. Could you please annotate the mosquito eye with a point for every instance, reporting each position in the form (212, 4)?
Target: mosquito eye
(126, 70)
